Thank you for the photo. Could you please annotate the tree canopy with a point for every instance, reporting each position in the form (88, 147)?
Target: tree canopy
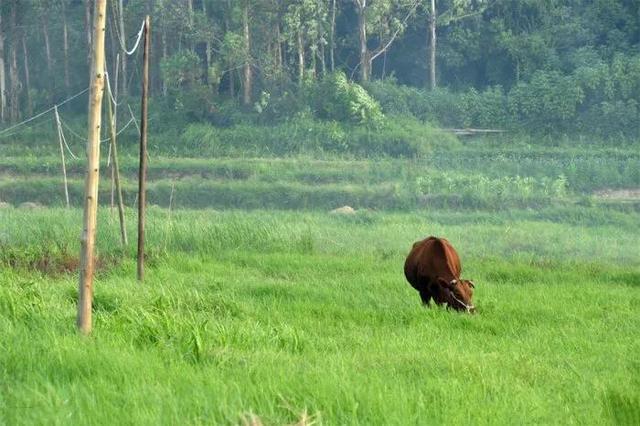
(551, 65)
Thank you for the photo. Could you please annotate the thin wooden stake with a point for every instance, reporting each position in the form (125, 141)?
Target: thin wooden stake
(64, 166)
(87, 240)
(112, 121)
(142, 171)
(112, 200)
(116, 169)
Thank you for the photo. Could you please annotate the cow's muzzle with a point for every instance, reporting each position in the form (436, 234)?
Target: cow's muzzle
(463, 306)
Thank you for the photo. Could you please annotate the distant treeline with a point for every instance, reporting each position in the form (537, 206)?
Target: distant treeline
(536, 67)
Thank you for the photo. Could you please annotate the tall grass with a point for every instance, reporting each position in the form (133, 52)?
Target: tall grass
(277, 314)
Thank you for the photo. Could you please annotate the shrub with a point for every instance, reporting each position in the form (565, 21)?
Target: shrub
(336, 98)
(549, 101)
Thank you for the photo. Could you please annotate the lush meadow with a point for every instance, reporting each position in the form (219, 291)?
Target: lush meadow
(294, 315)
(259, 304)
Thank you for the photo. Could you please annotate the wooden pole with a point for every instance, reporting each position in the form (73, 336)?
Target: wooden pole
(87, 240)
(112, 122)
(116, 169)
(142, 170)
(64, 166)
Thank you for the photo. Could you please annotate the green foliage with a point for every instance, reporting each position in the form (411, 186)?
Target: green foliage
(550, 101)
(536, 68)
(337, 98)
(181, 70)
(190, 97)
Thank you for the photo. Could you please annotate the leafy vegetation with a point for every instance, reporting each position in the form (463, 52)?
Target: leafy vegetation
(538, 69)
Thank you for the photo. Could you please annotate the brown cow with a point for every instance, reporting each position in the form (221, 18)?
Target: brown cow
(433, 268)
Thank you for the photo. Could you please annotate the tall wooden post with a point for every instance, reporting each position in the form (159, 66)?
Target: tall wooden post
(142, 171)
(87, 240)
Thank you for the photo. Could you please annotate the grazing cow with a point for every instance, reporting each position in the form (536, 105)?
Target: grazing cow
(433, 268)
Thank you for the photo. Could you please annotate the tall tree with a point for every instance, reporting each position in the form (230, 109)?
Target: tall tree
(458, 10)
(27, 78)
(14, 78)
(3, 81)
(65, 43)
(248, 76)
(332, 36)
(388, 18)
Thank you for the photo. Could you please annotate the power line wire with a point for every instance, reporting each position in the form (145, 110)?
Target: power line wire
(122, 44)
(2, 132)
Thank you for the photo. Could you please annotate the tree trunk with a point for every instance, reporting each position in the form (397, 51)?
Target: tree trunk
(246, 99)
(65, 45)
(332, 35)
(27, 79)
(365, 63)
(279, 61)
(207, 46)
(3, 80)
(432, 45)
(323, 62)
(163, 40)
(227, 27)
(47, 45)
(384, 65)
(190, 21)
(300, 45)
(90, 216)
(14, 79)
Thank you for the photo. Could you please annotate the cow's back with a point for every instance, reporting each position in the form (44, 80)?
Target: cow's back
(429, 259)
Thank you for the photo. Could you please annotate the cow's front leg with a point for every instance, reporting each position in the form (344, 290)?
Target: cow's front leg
(426, 297)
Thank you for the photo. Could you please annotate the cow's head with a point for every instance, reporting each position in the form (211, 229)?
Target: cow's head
(458, 294)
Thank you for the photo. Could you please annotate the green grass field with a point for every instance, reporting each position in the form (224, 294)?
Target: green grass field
(293, 316)
(271, 308)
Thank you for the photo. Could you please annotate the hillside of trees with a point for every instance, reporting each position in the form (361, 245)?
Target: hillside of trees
(552, 67)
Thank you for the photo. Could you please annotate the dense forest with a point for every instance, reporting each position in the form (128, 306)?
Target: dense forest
(550, 67)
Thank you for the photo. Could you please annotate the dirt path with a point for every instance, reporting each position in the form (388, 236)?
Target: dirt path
(631, 194)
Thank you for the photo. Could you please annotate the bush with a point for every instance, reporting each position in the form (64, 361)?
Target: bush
(469, 109)
(549, 102)
(336, 98)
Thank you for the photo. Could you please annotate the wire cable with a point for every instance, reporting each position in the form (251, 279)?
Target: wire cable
(2, 132)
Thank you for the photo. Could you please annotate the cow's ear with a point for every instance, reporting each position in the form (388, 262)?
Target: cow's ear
(447, 284)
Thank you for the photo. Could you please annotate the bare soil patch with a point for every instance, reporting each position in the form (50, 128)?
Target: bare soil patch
(52, 265)
(632, 194)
